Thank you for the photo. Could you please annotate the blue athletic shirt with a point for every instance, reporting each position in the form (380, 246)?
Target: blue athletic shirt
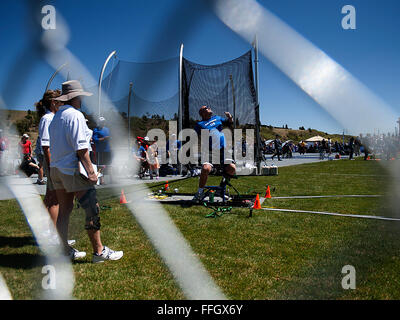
(214, 125)
(101, 146)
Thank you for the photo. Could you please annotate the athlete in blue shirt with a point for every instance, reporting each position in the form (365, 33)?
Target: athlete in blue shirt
(215, 125)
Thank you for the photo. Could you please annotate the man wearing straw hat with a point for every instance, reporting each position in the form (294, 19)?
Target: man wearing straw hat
(69, 145)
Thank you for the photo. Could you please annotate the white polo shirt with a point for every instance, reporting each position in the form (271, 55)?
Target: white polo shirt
(44, 124)
(68, 134)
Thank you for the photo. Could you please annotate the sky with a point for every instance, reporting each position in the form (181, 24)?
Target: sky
(152, 30)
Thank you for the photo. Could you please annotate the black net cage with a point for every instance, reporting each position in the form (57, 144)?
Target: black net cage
(225, 87)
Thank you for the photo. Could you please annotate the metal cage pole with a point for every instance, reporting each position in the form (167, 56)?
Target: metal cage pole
(257, 109)
(129, 117)
(54, 74)
(180, 110)
(234, 101)
(101, 77)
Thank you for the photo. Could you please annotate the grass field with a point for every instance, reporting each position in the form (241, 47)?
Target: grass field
(273, 255)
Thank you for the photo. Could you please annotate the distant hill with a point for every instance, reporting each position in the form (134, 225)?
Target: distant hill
(269, 132)
(18, 122)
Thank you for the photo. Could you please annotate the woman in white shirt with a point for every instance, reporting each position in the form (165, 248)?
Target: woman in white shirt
(46, 109)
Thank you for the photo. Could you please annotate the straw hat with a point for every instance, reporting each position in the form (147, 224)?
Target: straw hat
(72, 89)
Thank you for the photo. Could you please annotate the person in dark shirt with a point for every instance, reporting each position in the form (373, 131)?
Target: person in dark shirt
(101, 138)
(278, 147)
(351, 148)
(29, 166)
(140, 155)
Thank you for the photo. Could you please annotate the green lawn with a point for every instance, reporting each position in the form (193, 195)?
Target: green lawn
(273, 255)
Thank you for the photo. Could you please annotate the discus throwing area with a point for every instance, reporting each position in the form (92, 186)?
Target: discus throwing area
(271, 255)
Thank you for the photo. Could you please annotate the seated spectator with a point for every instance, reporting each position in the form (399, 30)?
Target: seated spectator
(29, 166)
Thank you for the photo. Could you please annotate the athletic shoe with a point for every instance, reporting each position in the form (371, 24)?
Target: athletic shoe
(75, 254)
(71, 242)
(198, 197)
(40, 182)
(107, 254)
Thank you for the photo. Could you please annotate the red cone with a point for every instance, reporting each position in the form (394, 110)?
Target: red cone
(268, 193)
(257, 204)
(122, 198)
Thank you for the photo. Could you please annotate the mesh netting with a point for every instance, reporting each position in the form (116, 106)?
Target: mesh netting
(220, 87)
(224, 87)
(155, 88)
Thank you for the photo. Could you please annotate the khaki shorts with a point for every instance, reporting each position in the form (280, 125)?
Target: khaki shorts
(49, 185)
(71, 183)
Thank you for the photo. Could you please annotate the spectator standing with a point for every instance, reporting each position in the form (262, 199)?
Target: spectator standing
(101, 139)
(39, 157)
(25, 146)
(278, 147)
(351, 148)
(3, 152)
(46, 109)
(322, 149)
(329, 146)
(152, 158)
(140, 155)
(69, 146)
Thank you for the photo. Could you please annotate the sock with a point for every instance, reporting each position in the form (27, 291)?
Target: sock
(200, 190)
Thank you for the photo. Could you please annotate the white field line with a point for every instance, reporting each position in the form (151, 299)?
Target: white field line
(333, 214)
(332, 196)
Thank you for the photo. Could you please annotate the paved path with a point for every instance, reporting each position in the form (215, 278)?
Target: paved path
(297, 159)
(118, 182)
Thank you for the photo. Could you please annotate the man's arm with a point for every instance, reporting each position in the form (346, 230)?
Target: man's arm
(83, 155)
(47, 157)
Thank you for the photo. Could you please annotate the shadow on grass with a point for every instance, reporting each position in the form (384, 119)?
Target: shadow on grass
(22, 261)
(16, 242)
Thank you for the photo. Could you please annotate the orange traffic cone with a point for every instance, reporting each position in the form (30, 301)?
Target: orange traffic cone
(122, 198)
(268, 193)
(166, 186)
(257, 204)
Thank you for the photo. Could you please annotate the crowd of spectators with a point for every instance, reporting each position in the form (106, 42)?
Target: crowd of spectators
(384, 146)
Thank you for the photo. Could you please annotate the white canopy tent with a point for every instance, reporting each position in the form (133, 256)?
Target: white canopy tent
(316, 139)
